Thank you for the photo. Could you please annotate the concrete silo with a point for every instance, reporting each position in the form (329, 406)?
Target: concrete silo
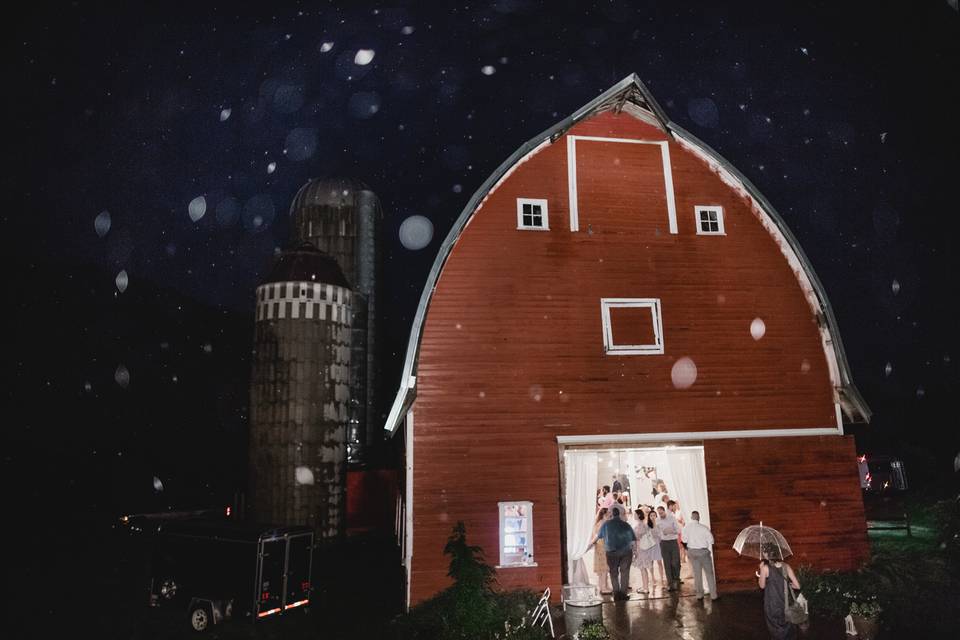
(300, 393)
(343, 218)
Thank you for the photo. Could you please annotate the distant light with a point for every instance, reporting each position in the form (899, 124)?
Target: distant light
(228, 512)
(364, 57)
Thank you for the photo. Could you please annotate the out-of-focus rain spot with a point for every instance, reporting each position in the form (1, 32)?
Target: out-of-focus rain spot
(459, 326)
(364, 104)
(227, 211)
(304, 475)
(444, 517)
(122, 376)
(301, 144)
(122, 281)
(271, 167)
(325, 47)
(197, 208)
(895, 287)
(805, 366)
(888, 369)
(207, 347)
(364, 57)
(921, 392)
(704, 112)
(288, 98)
(407, 30)
(536, 392)
(101, 224)
(157, 485)
(721, 298)
(758, 328)
(488, 69)
(175, 378)
(482, 395)
(684, 373)
(258, 213)
(457, 188)
(225, 114)
(883, 137)
(416, 232)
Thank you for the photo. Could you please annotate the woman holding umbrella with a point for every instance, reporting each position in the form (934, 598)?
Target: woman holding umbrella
(771, 575)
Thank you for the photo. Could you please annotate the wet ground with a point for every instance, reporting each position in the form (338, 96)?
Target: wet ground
(734, 616)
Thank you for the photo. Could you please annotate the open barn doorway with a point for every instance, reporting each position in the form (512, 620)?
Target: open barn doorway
(631, 476)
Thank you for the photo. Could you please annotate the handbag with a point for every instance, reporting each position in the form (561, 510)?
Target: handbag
(795, 609)
(646, 542)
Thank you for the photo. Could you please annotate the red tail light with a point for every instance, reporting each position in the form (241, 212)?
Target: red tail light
(228, 512)
(265, 595)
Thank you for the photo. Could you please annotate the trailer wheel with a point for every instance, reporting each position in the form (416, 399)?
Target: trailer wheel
(200, 617)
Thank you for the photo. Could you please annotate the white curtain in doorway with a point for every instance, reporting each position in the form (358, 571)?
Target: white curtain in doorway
(581, 505)
(688, 481)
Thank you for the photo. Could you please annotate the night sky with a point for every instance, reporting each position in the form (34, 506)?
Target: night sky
(843, 114)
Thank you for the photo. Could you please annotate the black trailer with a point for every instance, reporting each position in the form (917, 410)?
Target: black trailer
(220, 569)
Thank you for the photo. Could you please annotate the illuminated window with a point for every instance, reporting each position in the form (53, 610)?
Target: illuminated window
(709, 221)
(532, 214)
(516, 534)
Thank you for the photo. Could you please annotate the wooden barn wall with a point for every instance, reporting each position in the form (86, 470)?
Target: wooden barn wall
(806, 488)
(512, 348)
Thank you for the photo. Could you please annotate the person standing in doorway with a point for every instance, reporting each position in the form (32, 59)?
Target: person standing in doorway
(599, 554)
(669, 532)
(699, 541)
(674, 507)
(618, 539)
(616, 487)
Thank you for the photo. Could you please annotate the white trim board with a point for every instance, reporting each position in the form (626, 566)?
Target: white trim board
(408, 511)
(572, 176)
(610, 347)
(696, 435)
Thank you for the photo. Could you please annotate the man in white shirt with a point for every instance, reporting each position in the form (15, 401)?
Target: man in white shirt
(699, 540)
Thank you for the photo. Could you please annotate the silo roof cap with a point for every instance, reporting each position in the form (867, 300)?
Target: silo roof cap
(306, 263)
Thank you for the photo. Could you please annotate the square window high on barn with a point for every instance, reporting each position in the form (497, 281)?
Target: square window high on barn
(709, 221)
(631, 326)
(516, 534)
(532, 214)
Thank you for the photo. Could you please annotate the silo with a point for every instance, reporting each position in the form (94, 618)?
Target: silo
(342, 218)
(300, 393)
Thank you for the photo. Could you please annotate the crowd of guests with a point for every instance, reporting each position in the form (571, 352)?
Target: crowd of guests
(655, 544)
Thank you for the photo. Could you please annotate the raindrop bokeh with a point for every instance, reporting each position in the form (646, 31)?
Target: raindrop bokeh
(225, 114)
(122, 376)
(683, 373)
(416, 232)
(758, 328)
(122, 281)
(101, 224)
(304, 475)
(364, 57)
(301, 144)
(197, 208)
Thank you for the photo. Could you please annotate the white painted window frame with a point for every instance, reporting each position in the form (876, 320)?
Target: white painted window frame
(502, 507)
(536, 202)
(572, 176)
(702, 208)
(612, 348)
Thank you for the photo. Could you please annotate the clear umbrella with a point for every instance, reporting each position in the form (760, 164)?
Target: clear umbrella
(758, 541)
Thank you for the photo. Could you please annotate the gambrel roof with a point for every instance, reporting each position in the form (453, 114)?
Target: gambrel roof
(631, 96)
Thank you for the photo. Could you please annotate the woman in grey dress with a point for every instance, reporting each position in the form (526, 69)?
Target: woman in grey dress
(771, 576)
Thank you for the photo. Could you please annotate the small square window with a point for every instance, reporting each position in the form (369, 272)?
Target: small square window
(631, 326)
(532, 214)
(709, 221)
(516, 534)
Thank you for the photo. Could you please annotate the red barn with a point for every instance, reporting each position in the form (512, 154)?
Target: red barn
(618, 299)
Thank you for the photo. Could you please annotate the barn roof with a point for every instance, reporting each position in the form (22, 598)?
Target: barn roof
(631, 95)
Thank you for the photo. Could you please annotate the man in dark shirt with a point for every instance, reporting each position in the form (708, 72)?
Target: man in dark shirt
(618, 538)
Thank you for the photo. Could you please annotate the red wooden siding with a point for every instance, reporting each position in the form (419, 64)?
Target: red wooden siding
(512, 349)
